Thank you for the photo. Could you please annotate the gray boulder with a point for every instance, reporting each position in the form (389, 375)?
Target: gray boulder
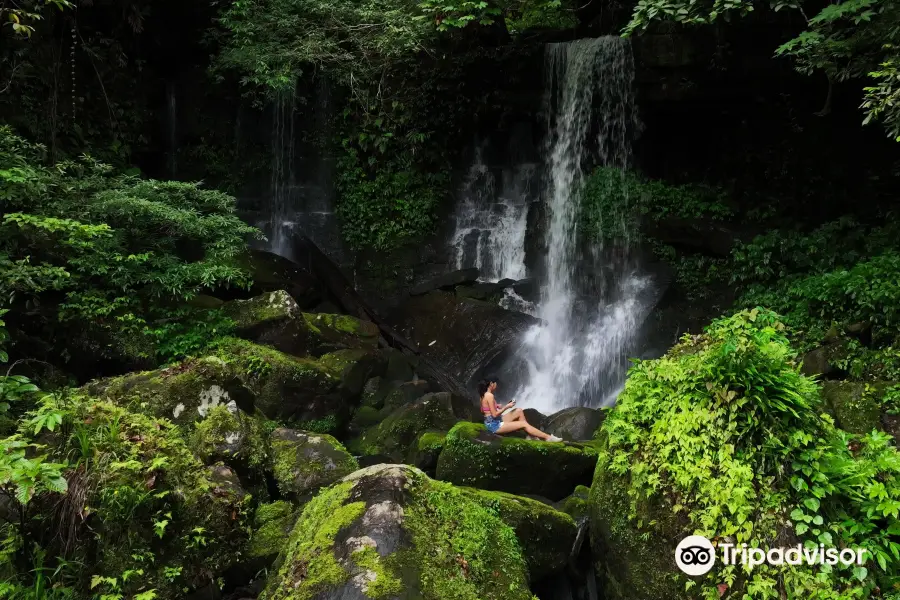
(458, 337)
(388, 531)
(575, 424)
(304, 462)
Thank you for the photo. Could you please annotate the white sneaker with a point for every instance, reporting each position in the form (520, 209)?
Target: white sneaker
(553, 438)
(531, 437)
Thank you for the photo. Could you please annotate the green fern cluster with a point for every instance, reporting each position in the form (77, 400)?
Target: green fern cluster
(729, 436)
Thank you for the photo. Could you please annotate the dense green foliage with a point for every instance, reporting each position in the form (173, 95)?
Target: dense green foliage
(728, 433)
(87, 252)
(838, 278)
(394, 206)
(131, 483)
(615, 203)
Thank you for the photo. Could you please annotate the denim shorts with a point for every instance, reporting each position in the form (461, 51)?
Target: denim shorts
(492, 423)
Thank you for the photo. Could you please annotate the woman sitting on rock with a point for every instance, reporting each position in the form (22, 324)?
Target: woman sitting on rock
(498, 422)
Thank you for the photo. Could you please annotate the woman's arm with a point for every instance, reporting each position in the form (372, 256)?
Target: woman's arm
(492, 404)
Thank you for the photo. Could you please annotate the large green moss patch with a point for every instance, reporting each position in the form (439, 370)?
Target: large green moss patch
(389, 531)
(474, 457)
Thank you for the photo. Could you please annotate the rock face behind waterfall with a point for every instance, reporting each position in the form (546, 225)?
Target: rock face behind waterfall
(467, 335)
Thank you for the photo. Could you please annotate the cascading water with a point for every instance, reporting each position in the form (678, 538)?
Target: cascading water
(283, 176)
(300, 186)
(579, 356)
(491, 222)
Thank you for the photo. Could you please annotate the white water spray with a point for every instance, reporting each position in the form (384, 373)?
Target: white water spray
(579, 356)
(491, 222)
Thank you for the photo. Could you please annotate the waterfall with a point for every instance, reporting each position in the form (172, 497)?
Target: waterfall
(301, 189)
(579, 356)
(283, 176)
(490, 222)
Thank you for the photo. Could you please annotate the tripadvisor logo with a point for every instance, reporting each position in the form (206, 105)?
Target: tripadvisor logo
(695, 555)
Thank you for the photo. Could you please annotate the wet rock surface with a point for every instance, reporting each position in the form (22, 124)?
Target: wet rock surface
(574, 424)
(459, 337)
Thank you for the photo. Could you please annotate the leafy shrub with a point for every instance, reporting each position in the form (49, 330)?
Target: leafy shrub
(121, 495)
(613, 203)
(395, 205)
(771, 257)
(866, 292)
(96, 253)
(186, 332)
(840, 274)
(726, 433)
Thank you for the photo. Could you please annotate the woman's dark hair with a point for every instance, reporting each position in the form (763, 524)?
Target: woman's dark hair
(484, 384)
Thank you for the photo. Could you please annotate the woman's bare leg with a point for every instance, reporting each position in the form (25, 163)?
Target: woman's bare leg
(516, 415)
(510, 426)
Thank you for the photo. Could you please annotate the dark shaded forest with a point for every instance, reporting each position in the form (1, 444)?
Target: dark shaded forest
(470, 300)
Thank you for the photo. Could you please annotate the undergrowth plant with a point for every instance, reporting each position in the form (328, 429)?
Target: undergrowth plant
(728, 434)
(836, 278)
(135, 508)
(615, 202)
(388, 206)
(92, 255)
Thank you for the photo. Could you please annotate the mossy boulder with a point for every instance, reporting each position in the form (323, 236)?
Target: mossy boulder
(289, 387)
(634, 553)
(276, 320)
(304, 462)
(363, 418)
(405, 393)
(183, 393)
(576, 505)
(272, 318)
(336, 332)
(232, 436)
(474, 457)
(545, 534)
(272, 272)
(401, 367)
(252, 377)
(856, 406)
(374, 391)
(272, 525)
(425, 451)
(389, 531)
(356, 367)
(575, 423)
(397, 433)
(140, 489)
